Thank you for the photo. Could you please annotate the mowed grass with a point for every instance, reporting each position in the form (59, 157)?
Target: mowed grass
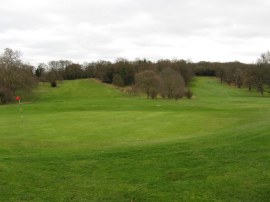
(87, 141)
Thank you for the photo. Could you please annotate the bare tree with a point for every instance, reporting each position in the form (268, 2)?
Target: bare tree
(262, 73)
(148, 82)
(173, 85)
(250, 77)
(238, 77)
(10, 58)
(265, 58)
(14, 75)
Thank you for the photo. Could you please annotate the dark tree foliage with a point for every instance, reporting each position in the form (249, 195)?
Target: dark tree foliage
(125, 69)
(54, 74)
(187, 71)
(90, 70)
(142, 65)
(54, 84)
(118, 80)
(73, 71)
(104, 71)
(206, 69)
(261, 77)
(39, 71)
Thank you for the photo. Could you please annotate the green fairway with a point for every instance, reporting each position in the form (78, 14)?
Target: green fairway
(88, 141)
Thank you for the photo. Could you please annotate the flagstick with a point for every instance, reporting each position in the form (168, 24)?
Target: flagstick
(20, 106)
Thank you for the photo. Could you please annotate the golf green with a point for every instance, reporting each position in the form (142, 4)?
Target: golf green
(88, 141)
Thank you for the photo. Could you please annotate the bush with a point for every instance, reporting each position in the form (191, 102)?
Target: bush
(173, 85)
(148, 82)
(188, 94)
(132, 90)
(6, 95)
(53, 84)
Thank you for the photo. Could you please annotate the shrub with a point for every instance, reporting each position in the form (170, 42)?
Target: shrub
(148, 82)
(188, 94)
(53, 84)
(173, 85)
(132, 90)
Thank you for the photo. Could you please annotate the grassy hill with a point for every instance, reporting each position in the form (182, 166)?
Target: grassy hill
(87, 141)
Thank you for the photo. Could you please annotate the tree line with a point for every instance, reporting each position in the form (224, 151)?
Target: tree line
(252, 76)
(172, 77)
(164, 78)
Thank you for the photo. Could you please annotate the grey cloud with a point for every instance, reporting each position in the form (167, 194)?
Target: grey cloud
(105, 29)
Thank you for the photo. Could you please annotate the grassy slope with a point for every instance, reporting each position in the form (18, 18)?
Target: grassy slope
(87, 141)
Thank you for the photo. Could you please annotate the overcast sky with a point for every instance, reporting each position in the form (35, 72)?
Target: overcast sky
(90, 30)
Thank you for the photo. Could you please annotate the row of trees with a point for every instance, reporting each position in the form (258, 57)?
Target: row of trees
(172, 76)
(167, 78)
(249, 75)
(121, 73)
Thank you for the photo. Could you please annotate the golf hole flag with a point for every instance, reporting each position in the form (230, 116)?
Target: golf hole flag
(18, 98)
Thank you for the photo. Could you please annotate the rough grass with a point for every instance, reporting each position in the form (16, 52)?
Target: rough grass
(86, 141)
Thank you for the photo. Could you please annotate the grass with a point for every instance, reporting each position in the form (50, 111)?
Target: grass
(86, 141)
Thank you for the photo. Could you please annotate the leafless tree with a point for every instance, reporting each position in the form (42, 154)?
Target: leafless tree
(148, 82)
(173, 85)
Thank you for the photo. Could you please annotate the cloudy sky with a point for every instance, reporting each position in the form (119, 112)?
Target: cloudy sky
(90, 30)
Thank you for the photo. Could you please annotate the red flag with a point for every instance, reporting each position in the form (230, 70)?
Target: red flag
(18, 98)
